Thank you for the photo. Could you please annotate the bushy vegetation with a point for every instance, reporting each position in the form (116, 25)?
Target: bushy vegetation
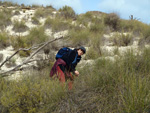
(120, 39)
(84, 19)
(106, 86)
(8, 3)
(56, 24)
(41, 12)
(5, 16)
(19, 26)
(112, 20)
(134, 25)
(35, 93)
(67, 12)
(120, 86)
(35, 20)
(97, 26)
(4, 40)
(79, 37)
(16, 12)
(36, 36)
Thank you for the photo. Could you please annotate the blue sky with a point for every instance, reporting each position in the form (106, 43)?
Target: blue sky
(140, 9)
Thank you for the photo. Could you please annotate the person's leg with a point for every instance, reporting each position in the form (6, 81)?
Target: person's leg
(60, 75)
(70, 83)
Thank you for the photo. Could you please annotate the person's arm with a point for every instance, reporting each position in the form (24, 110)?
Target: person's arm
(73, 65)
(71, 58)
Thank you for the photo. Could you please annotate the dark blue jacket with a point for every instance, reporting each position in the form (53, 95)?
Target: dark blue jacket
(69, 58)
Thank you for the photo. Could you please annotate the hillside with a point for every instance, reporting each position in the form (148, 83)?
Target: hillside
(114, 73)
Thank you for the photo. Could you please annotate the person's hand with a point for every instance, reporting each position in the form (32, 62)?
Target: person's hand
(76, 73)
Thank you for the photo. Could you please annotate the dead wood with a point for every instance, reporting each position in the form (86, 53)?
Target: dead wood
(41, 46)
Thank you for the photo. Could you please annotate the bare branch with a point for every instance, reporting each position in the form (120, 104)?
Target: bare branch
(21, 49)
(27, 60)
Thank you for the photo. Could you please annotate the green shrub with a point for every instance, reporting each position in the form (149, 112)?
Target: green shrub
(35, 20)
(3, 85)
(97, 26)
(56, 24)
(19, 42)
(60, 26)
(112, 20)
(127, 25)
(117, 86)
(67, 12)
(122, 39)
(85, 19)
(24, 53)
(36, 36)
(41, 12)
(104, 86)
(48, 11)
(48, 23)
(34, 93)
(5, 18)
(4, 39)
(146, 32)
(16, 12)
(50, 7)
(79, 37)
(91, 54)
(8, 3)
(95, 46)
(35, 6)
(19, 26)
(135, 26)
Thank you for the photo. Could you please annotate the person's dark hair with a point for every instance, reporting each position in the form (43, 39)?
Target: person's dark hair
(83, 49)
